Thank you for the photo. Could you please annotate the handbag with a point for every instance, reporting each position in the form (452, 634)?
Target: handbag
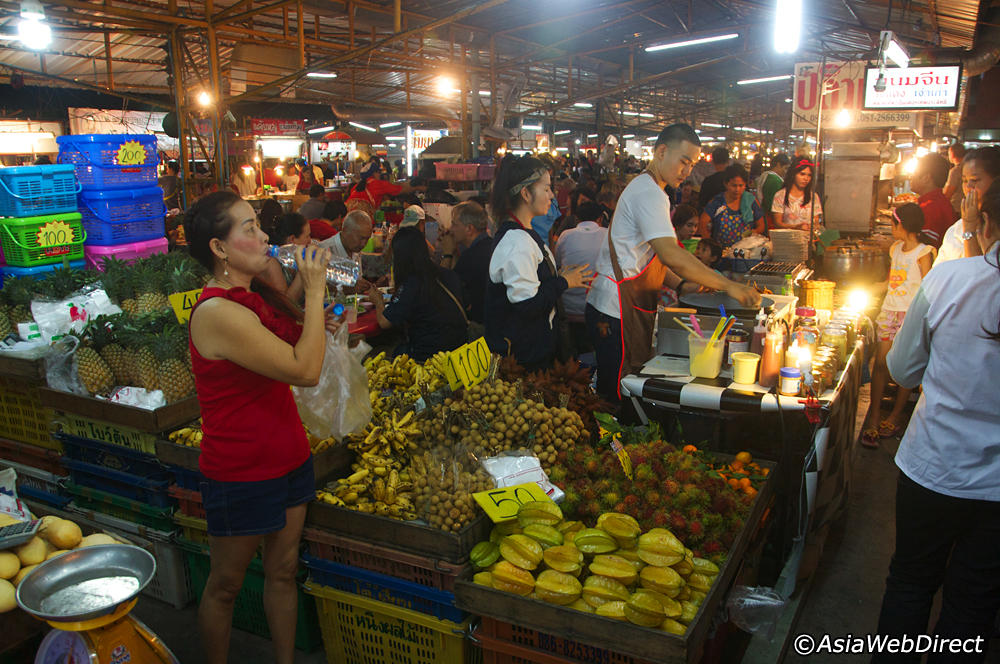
(473, 330)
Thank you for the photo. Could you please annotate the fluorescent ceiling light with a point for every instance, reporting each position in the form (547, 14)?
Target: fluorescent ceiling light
(321, 74)
(787, 25)
(320, 130)
(788, 100)
(561, 132)
(583, 104)
(629, 136)
(766, 79)
(358, 125)
(692, 42)
(395, 138)
(631, 113)
(531, 127)
(712, 124)
(904, 145)
(485, 93)
(646, 115)
(562, 149)
(651, 138)
(893, 50)
(386, 125)
(591, 135)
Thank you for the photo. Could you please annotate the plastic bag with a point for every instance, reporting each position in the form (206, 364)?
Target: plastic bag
(444, 480)
(755, 609)
(60, 366)
(338, 405)
(510, 468)
(56, 318)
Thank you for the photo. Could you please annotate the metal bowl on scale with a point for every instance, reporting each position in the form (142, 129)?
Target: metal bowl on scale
(85, 584)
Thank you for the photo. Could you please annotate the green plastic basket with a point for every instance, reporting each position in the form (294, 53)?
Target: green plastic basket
(248, 611)
(158, 518)
(21, 248)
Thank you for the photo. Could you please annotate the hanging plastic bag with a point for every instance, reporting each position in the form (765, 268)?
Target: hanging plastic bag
(755, 609)
(60, 366)
(338, 405)
(56, 318)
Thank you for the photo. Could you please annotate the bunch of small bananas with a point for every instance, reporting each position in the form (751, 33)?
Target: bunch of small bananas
(365, 492)
(385, 440)
(319, 444)
(187, 436)
(404, 376)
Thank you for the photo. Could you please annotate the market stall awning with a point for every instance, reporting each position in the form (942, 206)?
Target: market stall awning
(443, 148)
(337, 135)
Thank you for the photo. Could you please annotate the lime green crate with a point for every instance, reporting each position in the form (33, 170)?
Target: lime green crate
(158, 518)
(248, 611)
(19, 237)
(360, 630)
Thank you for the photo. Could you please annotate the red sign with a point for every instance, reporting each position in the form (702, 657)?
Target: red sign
(275, 127)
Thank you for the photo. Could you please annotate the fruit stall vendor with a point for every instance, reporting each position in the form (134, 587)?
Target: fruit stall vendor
(641, 254)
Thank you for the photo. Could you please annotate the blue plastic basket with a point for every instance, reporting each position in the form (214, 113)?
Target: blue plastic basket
(139, 230)
(186, 478)
(118, 206)
(99, 158)
(31, 191)
(151, 490)
(39, 271)
(388, 589)
(113, 457)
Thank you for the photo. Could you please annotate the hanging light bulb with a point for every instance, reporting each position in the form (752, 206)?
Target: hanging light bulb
(33, 31)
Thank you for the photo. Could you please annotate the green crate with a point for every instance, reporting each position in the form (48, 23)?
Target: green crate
(248, 611)
(19, 237)
(158, 518)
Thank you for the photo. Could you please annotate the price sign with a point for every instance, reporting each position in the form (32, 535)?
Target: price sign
(131, 153)
(54, 234)
(503, 504)
(470, 363)
(183, 303)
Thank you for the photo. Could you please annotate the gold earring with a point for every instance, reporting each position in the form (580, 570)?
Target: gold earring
(225, 271)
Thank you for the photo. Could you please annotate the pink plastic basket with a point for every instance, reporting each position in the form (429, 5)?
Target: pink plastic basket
(456, 172)
(95, 255)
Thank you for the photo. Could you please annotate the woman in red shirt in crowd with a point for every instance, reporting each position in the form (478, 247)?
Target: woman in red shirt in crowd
(371, 189)
(248, 344)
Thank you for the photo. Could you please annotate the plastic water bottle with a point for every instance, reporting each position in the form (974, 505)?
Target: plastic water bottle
(339, 272)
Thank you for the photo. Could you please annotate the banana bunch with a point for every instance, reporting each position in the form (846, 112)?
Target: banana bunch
(389, 496)
(384, 443)
(319, 444)
(187, 436)
(385, 375)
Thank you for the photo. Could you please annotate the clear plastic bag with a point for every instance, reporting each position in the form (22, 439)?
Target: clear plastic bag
(338, 405)
(755, 609)
(444, 480)
(60, 366)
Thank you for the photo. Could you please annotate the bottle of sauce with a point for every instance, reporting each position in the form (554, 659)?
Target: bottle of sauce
(771, 357)
(759, 331)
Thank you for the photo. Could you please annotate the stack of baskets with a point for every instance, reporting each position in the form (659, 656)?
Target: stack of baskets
(40, 228)
(121, 205)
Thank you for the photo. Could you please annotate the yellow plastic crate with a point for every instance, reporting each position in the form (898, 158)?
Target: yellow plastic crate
(106, 432)
(192, 528)
(22, 416)
(358, 630)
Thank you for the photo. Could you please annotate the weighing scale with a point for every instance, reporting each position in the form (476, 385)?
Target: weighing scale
(87, 596)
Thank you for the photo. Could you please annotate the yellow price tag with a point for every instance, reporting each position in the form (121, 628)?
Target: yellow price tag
(183, 303)
(54, 234)
(131, 153)
(503, 504)
(470, 363)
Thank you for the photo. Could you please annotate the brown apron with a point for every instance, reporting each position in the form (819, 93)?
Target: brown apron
(638, 297)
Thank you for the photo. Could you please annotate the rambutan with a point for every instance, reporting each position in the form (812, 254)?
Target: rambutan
(644, 472)
(631, 501)
(677, 521)
(653, 497)
(670, 487)
(660, 520)
(711, 547)
(695, 528)
(620, 508)
(683, 476)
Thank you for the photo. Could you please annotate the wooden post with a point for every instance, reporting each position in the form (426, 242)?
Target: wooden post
(569, 76)
(215, 78)
(302, 34)
(407, 89)
(350, 27)
(178, 76)
(107, 58)
(284, 21)
(631, 64)
(464, 87)
(397, 15)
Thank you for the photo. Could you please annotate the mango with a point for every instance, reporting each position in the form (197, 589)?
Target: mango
(32, 552)
(10, 564)
(512, 579)
(521, 551)
(565, 558)
(539, 511)
(545, 535)
(659, 547)
(622, 527)
(615, 568)
(661, 579)
(594, 541)
(598, 590)
(557, 588)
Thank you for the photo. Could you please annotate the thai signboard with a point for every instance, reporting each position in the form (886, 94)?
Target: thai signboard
(845, 90)
(914, 88)
(276, 127)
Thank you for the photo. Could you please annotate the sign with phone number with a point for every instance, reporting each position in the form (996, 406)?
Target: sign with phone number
(503, 504)
(468, 365)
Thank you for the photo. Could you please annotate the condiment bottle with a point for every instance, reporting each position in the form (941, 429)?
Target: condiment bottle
(759, 330)
(772, 354)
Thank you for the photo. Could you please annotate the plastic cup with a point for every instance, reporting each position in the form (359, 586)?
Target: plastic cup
(704, 358)
(745, 368)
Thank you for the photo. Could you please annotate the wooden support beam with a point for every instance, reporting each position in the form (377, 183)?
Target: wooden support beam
(107, 61)
(155, 103)
(397, 15)
(301, 20)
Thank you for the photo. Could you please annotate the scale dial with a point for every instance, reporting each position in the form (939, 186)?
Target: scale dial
(59, 647)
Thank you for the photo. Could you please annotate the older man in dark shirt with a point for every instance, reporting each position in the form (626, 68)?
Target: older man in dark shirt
(469, 232)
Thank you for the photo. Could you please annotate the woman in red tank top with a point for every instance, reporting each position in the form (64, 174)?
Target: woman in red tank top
(248, 345)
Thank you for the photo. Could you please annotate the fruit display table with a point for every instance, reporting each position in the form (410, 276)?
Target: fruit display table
(814, 449)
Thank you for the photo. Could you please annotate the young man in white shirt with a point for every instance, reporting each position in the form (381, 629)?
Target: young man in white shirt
(621, 306)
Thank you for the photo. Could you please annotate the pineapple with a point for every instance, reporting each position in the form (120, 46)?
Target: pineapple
(172, 375)
(94, 372)
(19, 295)
(61, 283)
(150, 281)
(118, 284)
(6, 327)
(102, 334)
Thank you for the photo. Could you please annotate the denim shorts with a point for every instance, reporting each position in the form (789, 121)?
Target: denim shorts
(255, 508)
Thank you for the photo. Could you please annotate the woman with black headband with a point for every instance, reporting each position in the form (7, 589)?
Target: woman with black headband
(524, 286)
(792, 206)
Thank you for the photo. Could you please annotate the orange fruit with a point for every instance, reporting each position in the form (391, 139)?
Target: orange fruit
(745, 482)
(750, 491)
(765, 471)
(744, 457)
(735, 483)
(736, 465)
(689, 448)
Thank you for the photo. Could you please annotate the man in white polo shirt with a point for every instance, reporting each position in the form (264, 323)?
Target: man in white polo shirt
(642, 250)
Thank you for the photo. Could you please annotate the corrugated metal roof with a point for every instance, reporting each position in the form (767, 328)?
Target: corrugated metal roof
(530, 39)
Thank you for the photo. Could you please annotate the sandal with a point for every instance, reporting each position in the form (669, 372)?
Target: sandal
(888, 430)
(870, 438)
